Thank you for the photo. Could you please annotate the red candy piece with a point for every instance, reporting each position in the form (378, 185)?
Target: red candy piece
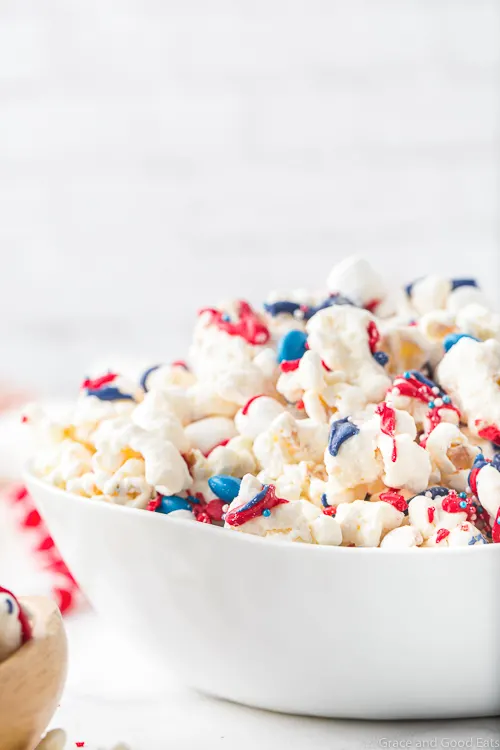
(331, 510)
(289, 365)
(249, 327)
(394, 498)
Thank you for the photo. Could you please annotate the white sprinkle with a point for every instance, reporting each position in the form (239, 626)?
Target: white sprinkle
(438, 402)
(435, 390)
(395, 391)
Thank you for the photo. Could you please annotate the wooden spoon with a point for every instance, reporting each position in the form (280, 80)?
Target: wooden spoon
(32, 679)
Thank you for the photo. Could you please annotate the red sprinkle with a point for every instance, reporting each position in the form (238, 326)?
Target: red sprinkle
(300, 405)
(388, 425)
(491, 433)
(331, 510)
(442, 534)
(250, 402)
(249, 327)
(32, 520)
(394, 498)
(180, 363)
(373, 336)
(80, 744)
(24, 419)
(431, 512)
(328, 369)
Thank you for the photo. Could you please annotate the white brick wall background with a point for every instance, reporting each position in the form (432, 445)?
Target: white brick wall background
(156, 155)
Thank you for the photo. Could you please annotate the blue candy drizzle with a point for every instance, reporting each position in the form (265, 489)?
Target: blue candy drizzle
(453, 338)
(340, 431)
(144, 377)
(109, 394)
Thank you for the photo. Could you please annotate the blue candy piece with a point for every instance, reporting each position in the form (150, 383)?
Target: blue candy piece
(170, 503)
(143, 382)
(292, 346)
(340, 431)
(456, 283)
(225, 487)
(495, 461)
(282, 307)
(109, 394)
(454, 338)
(381, 357)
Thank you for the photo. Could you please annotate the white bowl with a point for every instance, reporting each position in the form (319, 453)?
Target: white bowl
(326, 631)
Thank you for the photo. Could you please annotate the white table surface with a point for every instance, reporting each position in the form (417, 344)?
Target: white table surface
(112, 696)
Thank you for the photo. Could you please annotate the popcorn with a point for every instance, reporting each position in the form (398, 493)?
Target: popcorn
(402, 537)
(470, 372)
(316, 420)
(380, 449)
(258, 510)
(363, 523)
(345, 338)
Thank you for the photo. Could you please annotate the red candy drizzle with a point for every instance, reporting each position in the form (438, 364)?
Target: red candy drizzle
(373, 336)
(26, 632)
(491, 433)
(218, 445)
(289, 365)
(442, 534)
(431, 513)
(250, 402)
(388, 425)
(249, 326)
(98, 383)
(266, 499)
(394, 498)
(495, 532)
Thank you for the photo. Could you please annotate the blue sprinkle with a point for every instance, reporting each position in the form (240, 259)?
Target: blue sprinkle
(340, 431)
(381, 357)
(462, 495)
(498, 521)
(109, 394)
(224, 487)
(431, 404)
(480, 509)
(324, 501)
(453, 338)
(407, 375)
(479, 457)
(463, 504)
(10, 606)
(226, 318)
(292, 346)
(279, 308)
(171, 503)
(266, 512)
(446, 400)
(144, 377)
(456, 283)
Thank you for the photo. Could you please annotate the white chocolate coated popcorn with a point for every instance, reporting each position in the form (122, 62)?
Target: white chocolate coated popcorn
(317, 417)
(340, 336)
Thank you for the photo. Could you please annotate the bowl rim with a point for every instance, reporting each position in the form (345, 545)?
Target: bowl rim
(30, 478)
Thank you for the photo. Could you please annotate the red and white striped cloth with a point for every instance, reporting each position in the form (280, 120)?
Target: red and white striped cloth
(29, 558)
